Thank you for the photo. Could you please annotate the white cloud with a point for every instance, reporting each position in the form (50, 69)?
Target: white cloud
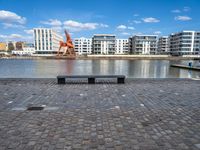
(176, 11)
(150, 20)
(138, 33)
(52, 22)
(3, 36)
(78, 26)
(121, 27)
(16, 37)
(182, 18)
(124, 27)
(125, 33)
(10, 25)
(136, 15)
(13, 36)
(131, 28)
(103, 25)
(137, 21)
(157, 32)
(57, 28)
(29, 31)
(11, 17)
(72, 25)
(186, 9)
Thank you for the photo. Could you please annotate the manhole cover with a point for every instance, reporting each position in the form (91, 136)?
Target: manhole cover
(35, 108)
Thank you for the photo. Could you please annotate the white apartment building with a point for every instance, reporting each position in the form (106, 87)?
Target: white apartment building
(122, 46)
(144, 44)
(185, 42)
(163, 45)
(46, 41)
(83, 46)
(103, 44)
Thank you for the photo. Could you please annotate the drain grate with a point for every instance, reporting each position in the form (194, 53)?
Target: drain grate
(35, 108)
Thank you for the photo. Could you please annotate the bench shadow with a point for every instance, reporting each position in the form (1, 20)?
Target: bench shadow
(86, 82)
(82, 82)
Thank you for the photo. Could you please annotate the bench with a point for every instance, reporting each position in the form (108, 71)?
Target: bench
(91, 78)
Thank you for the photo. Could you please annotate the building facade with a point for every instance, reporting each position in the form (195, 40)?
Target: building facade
(185, 42)
(19, 45)
(46, 41)
(163, 45)
(103, 44)
(83, 46)
(122, 46)
(144, 44)
(28, 50)
(3, 46)
(130, 45)
(10, 46)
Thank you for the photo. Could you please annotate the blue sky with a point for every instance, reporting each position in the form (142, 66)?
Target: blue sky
(83, 18)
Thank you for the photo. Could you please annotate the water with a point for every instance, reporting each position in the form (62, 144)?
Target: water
(46, 68)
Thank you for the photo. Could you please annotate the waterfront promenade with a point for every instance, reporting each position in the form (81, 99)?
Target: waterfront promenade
(143, 114)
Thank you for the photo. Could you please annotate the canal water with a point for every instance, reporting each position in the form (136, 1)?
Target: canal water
(50, 68)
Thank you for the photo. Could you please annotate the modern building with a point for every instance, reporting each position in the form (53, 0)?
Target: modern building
(28, 50)
(144, 44)
(122, 46)
(10, 46)
(185, 42)
(83, 46)
(130, 45)
(3, 46)
(103, 44)
(163, 45)
(19, 45)
(46, 41)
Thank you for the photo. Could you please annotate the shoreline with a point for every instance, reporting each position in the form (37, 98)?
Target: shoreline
(110, 57)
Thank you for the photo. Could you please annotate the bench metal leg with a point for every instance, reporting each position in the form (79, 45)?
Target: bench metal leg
(120, 80)
(61, 80)
(91, 80)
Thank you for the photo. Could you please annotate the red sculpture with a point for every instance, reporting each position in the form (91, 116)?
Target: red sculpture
(68, 46)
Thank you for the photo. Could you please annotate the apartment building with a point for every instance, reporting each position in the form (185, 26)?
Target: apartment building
(83, 46)
(3, 46)
(11, 46)
(46, 41)
(185, 42)
(103, 44)
(144, 44)
(163, 45)
(130, 45)
(122, 46)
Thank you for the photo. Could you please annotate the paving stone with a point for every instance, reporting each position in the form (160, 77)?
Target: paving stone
(100, 116)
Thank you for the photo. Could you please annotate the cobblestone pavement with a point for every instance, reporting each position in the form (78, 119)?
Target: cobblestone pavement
(143, 114)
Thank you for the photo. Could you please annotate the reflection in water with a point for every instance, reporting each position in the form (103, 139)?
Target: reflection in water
(130, 68)
(148, 69)
(69, 66)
